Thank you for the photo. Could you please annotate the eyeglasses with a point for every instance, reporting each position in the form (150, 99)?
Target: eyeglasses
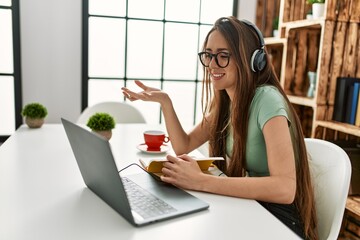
(222, 59)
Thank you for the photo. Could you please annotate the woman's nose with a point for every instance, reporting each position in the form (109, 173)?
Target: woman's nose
(213, 63)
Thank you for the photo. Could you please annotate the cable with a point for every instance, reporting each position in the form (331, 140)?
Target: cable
(130, 166)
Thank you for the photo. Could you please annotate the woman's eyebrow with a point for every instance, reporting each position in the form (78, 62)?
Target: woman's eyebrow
(218, 49)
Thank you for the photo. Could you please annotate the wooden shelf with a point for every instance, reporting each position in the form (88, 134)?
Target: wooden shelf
(308, 23)
(304, 101)
(353, 204)
(339, 126)
(275, 41)
(351, 227)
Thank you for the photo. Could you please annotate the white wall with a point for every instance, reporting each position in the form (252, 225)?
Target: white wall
(51, 54)
(247, 10)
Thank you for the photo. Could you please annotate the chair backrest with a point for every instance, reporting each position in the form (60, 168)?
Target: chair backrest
(121, 111)
(204, 149)
(330, 169)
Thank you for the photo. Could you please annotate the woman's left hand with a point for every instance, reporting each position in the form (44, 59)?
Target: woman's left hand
(182, 171)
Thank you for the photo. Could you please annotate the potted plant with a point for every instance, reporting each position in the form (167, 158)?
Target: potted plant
(102, 123)
(275, 27)
(318, 8)
(34, 114)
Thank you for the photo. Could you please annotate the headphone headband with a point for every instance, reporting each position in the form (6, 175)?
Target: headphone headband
(258, 33)
(258, 58)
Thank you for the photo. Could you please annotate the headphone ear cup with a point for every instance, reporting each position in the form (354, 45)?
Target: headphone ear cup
(253, 64)
(258, 60)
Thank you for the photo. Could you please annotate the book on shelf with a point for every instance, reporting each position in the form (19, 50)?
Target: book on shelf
(154, 165)
(342, 92)
(357, 118)
(348, 106)
(351, 104)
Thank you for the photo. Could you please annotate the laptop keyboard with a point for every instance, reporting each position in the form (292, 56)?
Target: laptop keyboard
(144, 203)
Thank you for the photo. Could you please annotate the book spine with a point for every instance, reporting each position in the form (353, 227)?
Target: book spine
(348, 106)
(357, 118)
(354, 101)
(339, 100)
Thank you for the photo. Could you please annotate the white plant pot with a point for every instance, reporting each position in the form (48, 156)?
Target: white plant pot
(318, 10)
(275, 33)
(34, 122)
(107, 134)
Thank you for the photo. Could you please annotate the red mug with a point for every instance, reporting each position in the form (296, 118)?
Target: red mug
(154, 139)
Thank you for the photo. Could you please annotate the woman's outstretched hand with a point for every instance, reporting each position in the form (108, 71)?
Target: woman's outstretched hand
(148, 93)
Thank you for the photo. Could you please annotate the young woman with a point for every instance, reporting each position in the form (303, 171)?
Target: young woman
(249, 121)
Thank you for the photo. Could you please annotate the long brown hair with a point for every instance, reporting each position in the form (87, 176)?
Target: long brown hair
(242, 41)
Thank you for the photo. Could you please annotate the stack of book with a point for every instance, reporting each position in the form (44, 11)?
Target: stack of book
(347, 101)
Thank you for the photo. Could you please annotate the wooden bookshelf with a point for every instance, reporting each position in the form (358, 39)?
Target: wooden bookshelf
(330, 47)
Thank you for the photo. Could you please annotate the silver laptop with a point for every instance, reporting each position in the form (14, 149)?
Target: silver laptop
(139, 198)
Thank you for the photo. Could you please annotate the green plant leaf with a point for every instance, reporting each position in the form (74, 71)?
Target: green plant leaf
(315, 1)
(276, 23)
(101, 122)
(34, 110)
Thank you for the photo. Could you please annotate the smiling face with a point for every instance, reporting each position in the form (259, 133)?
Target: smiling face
(221, 78)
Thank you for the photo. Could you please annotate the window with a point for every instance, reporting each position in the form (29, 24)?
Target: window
(125, 41)
(10, 89)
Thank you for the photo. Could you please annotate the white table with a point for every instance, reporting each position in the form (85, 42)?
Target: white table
(43, 196)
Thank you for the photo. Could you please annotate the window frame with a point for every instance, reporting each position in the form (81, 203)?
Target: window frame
(85, 57)
(15, 13)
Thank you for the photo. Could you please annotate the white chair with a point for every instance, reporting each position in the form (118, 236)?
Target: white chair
(330, 169)
(121, 111)
(204, 149)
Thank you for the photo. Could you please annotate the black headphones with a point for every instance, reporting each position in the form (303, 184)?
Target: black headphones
(258, 58)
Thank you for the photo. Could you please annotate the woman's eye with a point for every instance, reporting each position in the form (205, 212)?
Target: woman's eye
(224, 55)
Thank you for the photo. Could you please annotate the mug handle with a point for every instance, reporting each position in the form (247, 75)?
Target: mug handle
(166, 139)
